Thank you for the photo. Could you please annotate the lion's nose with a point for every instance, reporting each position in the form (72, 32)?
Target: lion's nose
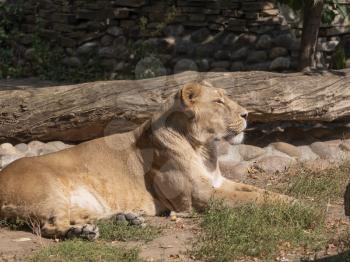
(244, 115)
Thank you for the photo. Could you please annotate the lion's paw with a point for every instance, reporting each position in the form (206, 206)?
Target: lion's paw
(88, 232)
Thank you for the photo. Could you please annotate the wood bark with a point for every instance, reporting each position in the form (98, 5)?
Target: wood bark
(75, 113)
(311, 25)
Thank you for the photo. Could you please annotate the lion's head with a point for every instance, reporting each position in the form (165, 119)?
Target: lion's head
(211, 114)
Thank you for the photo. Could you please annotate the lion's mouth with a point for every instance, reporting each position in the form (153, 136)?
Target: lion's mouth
(234, 139)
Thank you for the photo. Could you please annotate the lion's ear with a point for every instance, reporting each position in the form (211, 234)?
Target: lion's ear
(190, 93)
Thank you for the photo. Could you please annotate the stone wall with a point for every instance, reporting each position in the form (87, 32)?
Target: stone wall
(144, 38)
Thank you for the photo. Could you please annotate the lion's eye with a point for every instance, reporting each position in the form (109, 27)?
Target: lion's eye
(219, 101)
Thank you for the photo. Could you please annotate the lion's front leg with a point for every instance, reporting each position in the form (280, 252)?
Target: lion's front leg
(238, 193)
(234, 194)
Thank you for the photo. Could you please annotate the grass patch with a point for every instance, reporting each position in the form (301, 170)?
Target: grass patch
(257, 231)
(78, 250)
(327, 185)
(122, 231)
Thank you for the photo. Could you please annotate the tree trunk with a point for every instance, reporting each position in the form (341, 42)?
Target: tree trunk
(80, 112)
(311, 25)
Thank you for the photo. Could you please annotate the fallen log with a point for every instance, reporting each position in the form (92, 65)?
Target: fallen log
(74, 113)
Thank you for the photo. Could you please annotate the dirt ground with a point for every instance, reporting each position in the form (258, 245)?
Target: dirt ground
(177, 237)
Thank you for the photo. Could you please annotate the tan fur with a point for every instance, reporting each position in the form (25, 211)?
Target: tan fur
(169, 163)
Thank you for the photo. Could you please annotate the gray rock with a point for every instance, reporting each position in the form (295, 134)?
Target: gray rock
(107, 52)
(278, 51)
(327, 151)
(115, 31)
(230, 40)
(264, 42)
(222, 54)
(72, 61)
(200, 35)
(247, 38)
(149, 67)
(120, 217)
(306, 154)
(257, 56)
(237, 66)
(280, 63)
(249, 152)
(87, 48)
(221, 64)
(204, 50)
(258, 66)
(130, 216)
(22, 147)
(108, 64)
(345, 145)
(8, 149)
(185, 65)
(174, 30)
(29, 54)
(273, 164)
(203, 64)
(240, 53)
(106, 40)
(284, 40)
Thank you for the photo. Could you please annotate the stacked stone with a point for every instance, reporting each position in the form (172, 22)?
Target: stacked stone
(146, 38)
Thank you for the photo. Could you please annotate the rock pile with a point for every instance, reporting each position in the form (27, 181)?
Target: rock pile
(236, 161)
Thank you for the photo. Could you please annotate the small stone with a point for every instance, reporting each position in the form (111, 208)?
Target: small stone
(130, 216)
(264, 42)
(120, 217)
(203, 64)
(29, 54)
(284, 40)
(106, 40)
(280, 63)
(286, 148)
(107, 52)
(72, 61)
(306, 154)
(200, 35)
(240, 53)
(220, 64)
(58, 145)
(35, 148)
(185, 65)
(22, 147)
(114, 31)
(230, 40)
(345, 145)
(247, 39)
(327, 151)
(237, 66)
(136, 222)
(174, 30)
(278, 51)
(222, 54)
(8, 149)
(87, 48)
(257, 56)
(273, 164)
(249, 152)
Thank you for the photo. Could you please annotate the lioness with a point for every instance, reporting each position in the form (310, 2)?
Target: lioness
(169, 163)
